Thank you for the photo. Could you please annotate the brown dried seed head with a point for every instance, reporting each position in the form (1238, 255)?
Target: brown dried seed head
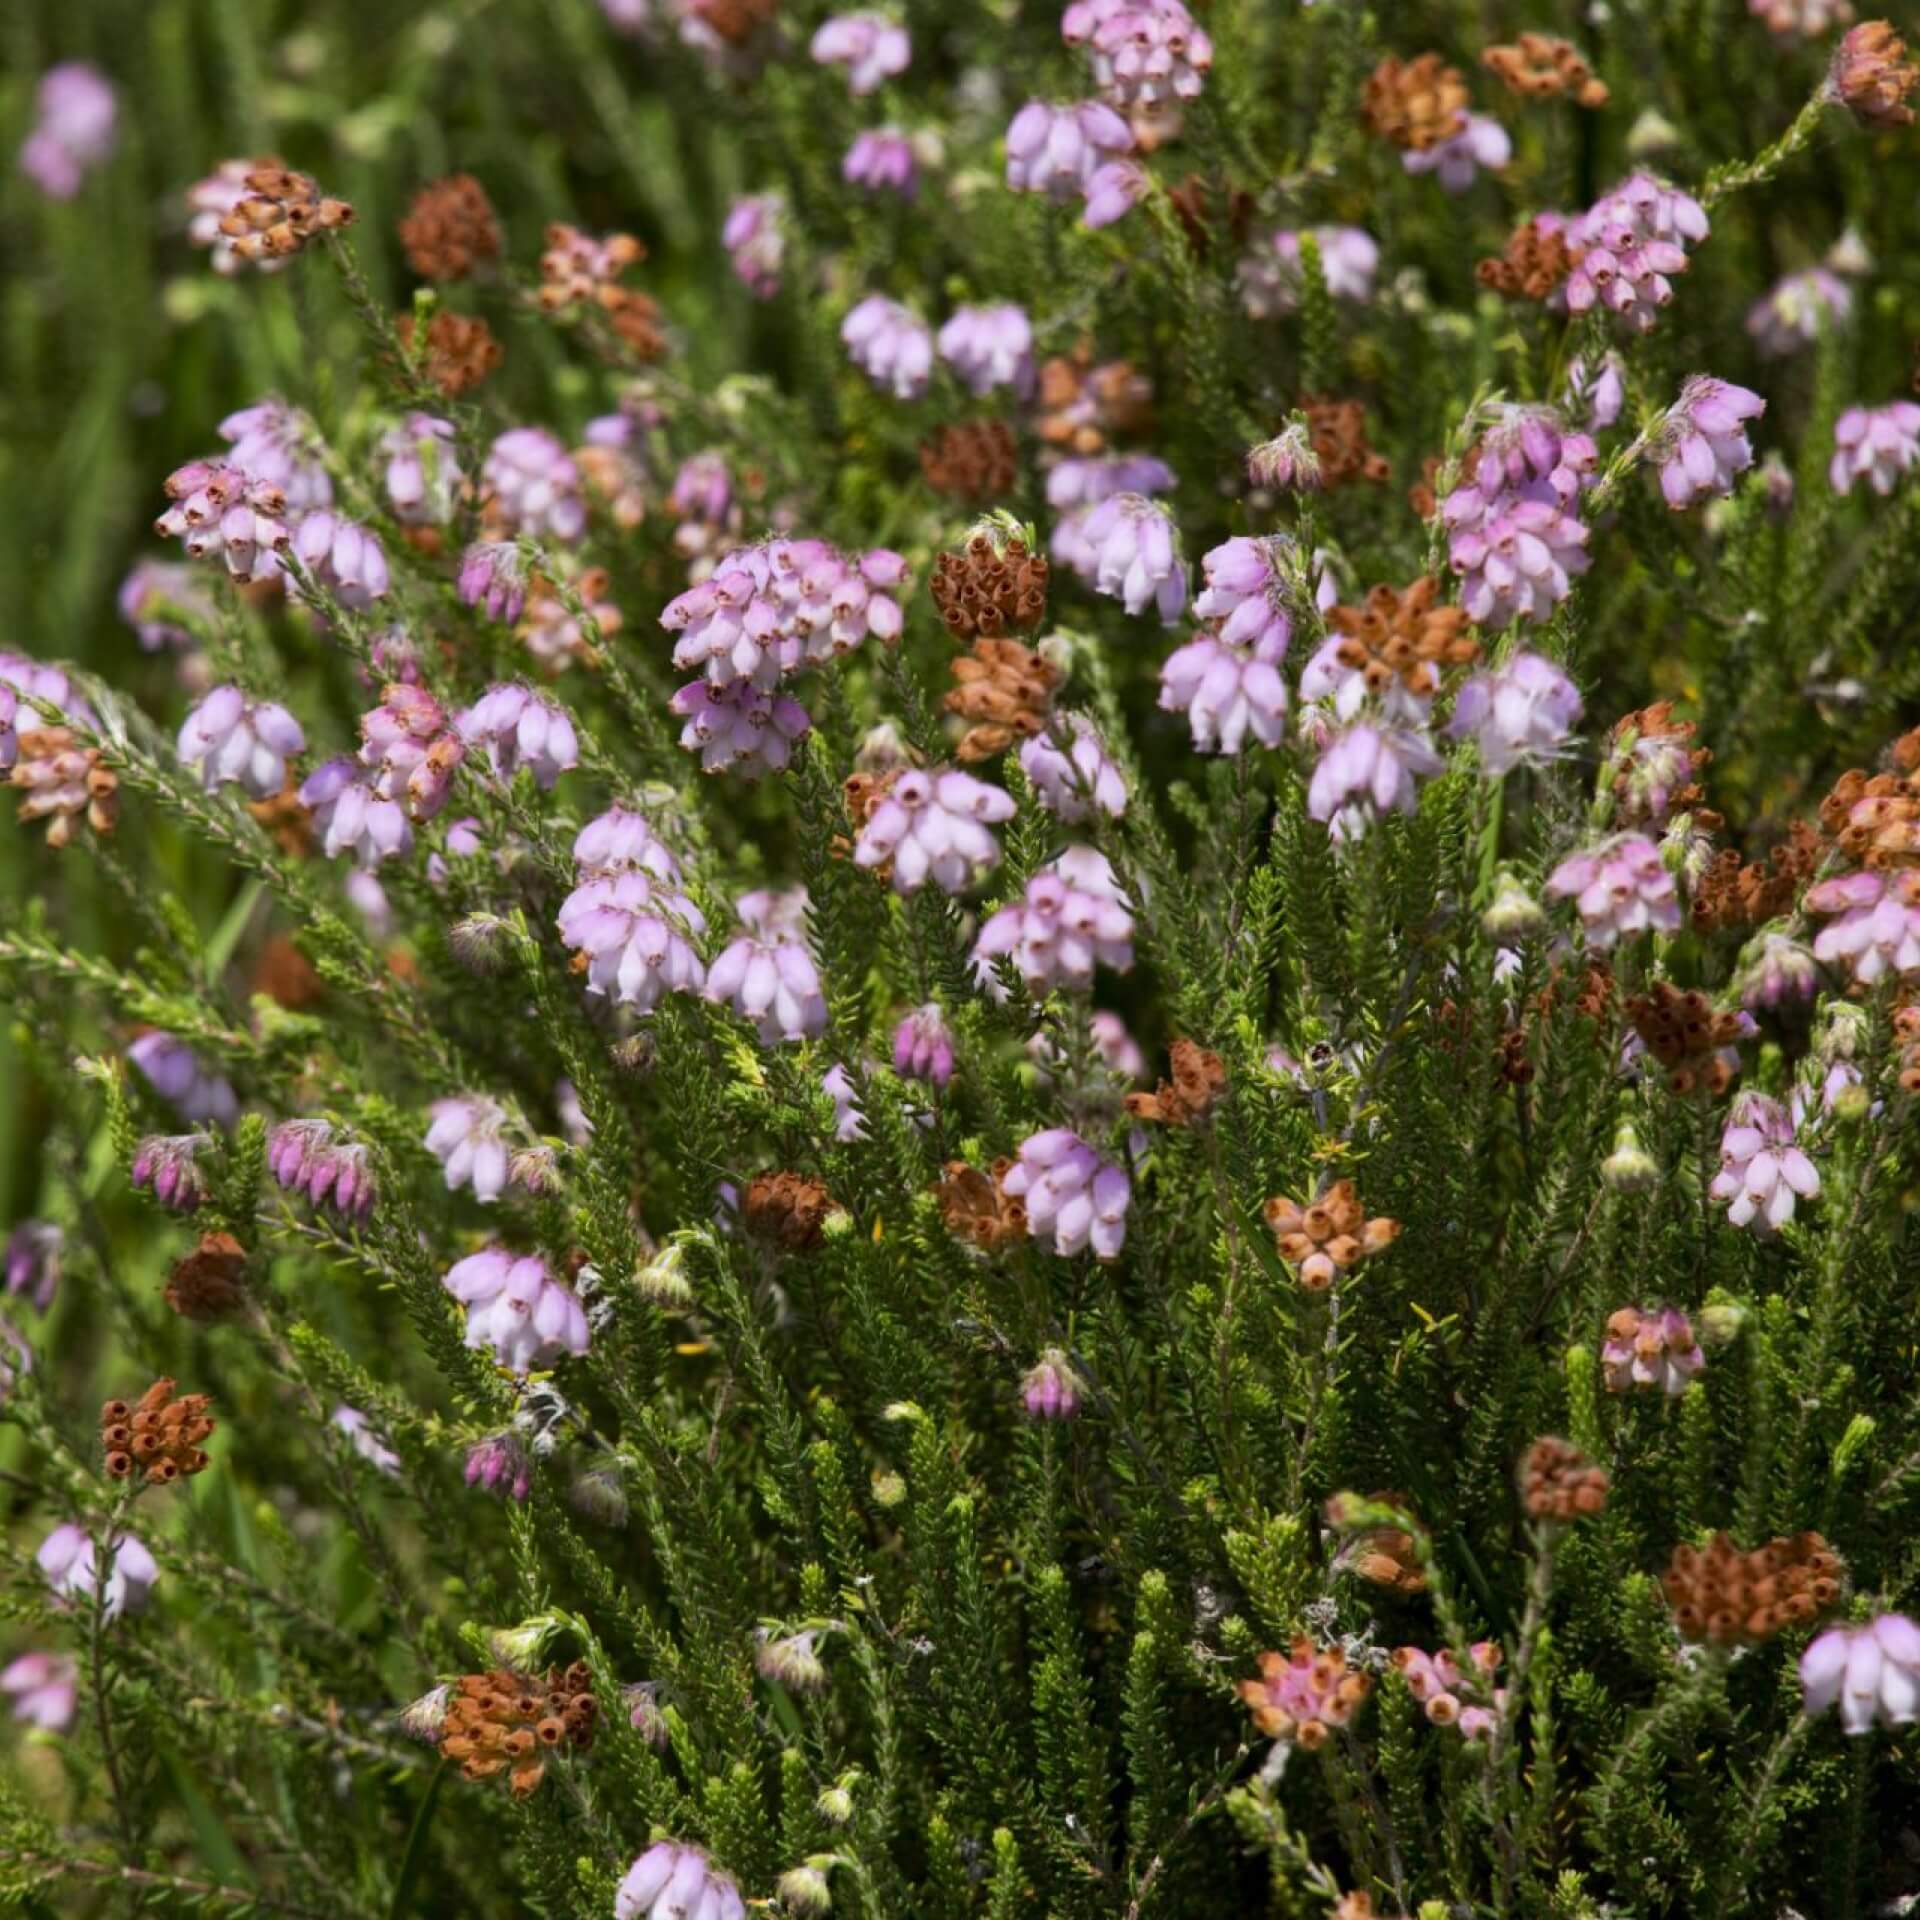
(1415, 103)
(450, 229)
(460, 349)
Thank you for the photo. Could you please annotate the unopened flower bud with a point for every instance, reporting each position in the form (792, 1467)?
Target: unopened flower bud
(597, 1495)
(889, 1488)
(1051, 1389)
(882, 748)
(521, 1648)
(643, 1713)
(1651, 135)
(663, 1279)
(792, 1661)
(835, 1805)
(1514, 914)
(804, 1889)
(1287, 461)
(479, 942)
(1719, 1322)
(1629, 1168)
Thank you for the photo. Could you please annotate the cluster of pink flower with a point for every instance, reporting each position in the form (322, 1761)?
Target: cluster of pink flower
(1437, 1681)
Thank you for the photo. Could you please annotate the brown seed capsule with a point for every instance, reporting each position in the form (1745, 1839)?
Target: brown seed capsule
(1559, 1482)
(1543, 66)
(460, 351)
(976, 1207)
(498, 1720)
(1532, 264)
(1872, 76)
(788, 1209)
(450, 229)
(1006, 690)
(972, 460)
(1339, 432)
(158, 1434)
(1734, 1598)
(992, 586)
(209, 1283)
(1415, 104)
(1199, 1079)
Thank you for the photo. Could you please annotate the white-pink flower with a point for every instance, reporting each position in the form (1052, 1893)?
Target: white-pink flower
(1874, 444)
(1057, 150)
(67, 1559)
(228, 737)
(1873, 1672)
(1075, 1198)
(1703, 442)
(1071, 917)
(1073, 776)
(1620, 888)
(1134, 546)
(1874, 928)
(871, 47)
(1762, 1171)
(767, 973)
(1369, 769)
(466, 1135)
(515, 1307)
(890, 344)
(936, 825)
(1519, 713)
(1456, 162)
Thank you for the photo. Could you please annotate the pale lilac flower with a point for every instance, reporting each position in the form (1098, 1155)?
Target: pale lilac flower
(364, 1440)
(228, 737)
(1702, 444)
(465, 1134)
(1050, 1389)
(1074, 1197)
(1513, 535)
(423, 475)
(351, 816)
(1072, 916)
(1145, 54)
(935, 824)
(871, 47)
(168, 1164)
(1792, 313)
(1269, 276)
(923, 1047)
(1366, 770)
(221, 513)
(1520, 713)
(521, 728)
(619, 839)
(33, 1261)
(767, 973)
(1073, 775)
(1650, 1350)
(634, 930)
(990, 347)
(1777, 972)
(702, 495)
(849, 1118)
(368, 898)
(738, 727)
(308, 1156)
(882, 160)
(1136, 555)
(1118, 1050)
(75, 109)
(67, 1559)
(517, 1308)
(344, 557)
(1287, 463)
(1631, 240)
(1601, 390)
(272, 443)
(1114, 191)
(34, 679)
(499, 1465)
(1228, 692)
(770, 609)
(1872, 1671)
(1085, 483)
(177, 1074)
(16, 1357)
(1761, 1169)
(1249, 591)
(1875, 444)
(1456, 162)
(1621, 888)
(44, 1690)
(672, 1882)
(756, 243)
(156, 597)
(1057, 150)
(493, 575)
(1874, 929)
(890, 344)
(533, 486)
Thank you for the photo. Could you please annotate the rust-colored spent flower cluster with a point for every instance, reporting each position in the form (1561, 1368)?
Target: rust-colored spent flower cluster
(1082, 406)
(1006, 690)
(1531, 265)
(158, 1435)
(459, 353)
(63, 783)
(1338, 429)
(1872, 76)
(450, 229)
(1685, 1033)
(1737, 893)
(1304, 1694)
(972, 460)
(208, 1283)
(280, 213)
(1327, 1236)
(990, 587)
(1559, 1482)
(576, 270)
(1875, 818)
(1545, 66)
(1415, 103)
(1732, 1598)
(1408, 635)
(787, 1208)
(1906, 1030)
(511, 1722)
(1199, 1079)
(975, 1207)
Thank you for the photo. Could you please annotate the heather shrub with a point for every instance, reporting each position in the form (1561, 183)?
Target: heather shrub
(964, 960)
